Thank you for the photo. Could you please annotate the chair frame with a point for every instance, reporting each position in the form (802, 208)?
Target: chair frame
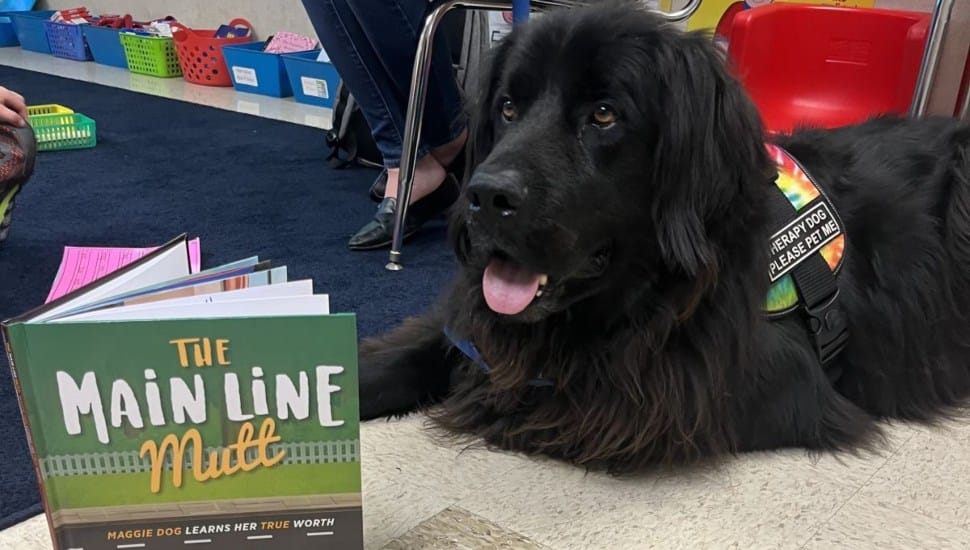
(939, 22)
(422, 66)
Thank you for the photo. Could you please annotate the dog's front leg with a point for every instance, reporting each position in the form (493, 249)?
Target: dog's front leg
(406, 368)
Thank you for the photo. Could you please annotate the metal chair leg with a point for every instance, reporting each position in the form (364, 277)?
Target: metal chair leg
(412, 126)
(965, 109)
(415, 114)
(931, 57)
(419, 92)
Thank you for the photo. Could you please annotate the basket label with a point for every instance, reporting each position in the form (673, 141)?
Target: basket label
(315, 87)
(245, 76)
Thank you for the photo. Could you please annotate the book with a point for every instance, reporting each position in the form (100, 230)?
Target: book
(81, 265)
(169, 409)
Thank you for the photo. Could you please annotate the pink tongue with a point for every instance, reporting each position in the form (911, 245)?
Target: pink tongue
(508, 287)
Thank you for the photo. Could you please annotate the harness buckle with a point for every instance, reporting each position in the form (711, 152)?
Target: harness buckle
(828, 327)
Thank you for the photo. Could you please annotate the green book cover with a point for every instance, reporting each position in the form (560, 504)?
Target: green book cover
(194, 433)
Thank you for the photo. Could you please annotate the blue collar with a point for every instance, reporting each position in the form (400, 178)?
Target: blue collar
(468, 348)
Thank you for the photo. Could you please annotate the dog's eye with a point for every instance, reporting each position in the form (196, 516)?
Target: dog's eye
(509, 112)
(603, 116)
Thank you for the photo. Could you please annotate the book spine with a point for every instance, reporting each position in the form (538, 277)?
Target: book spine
(8, 344)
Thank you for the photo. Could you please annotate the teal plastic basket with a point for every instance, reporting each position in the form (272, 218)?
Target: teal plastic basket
(63, 131)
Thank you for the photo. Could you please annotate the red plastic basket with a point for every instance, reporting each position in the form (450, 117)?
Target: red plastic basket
(200, 53)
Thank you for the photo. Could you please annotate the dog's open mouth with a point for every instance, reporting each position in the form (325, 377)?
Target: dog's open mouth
(510, 288)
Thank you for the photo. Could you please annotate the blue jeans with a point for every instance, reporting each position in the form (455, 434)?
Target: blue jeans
(372, 44)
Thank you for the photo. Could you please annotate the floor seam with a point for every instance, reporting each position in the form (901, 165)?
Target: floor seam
(857, 491)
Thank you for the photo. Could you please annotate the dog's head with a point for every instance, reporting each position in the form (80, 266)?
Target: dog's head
(608, 149)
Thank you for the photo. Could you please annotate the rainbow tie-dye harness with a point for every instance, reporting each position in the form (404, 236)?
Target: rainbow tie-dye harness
(813, 228)
(807, 252)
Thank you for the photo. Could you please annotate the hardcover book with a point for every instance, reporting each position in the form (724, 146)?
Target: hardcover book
(169, 409)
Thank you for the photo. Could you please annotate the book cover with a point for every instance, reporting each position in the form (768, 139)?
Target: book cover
(225, 431)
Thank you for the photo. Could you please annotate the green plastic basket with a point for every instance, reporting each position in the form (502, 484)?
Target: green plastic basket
(151, 55)
(64, 131)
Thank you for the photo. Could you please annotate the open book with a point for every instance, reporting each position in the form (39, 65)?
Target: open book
(167, 407)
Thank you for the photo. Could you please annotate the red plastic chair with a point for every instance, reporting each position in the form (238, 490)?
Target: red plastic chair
(825, 66)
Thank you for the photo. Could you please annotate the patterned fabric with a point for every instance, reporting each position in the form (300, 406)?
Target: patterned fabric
(6, 211)
(18, 148)
(799, 190)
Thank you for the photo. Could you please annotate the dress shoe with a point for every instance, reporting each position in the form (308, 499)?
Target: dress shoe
(377, 188)
(379, 232)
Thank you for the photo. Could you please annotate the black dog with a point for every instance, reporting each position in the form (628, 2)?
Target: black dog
(614, 244)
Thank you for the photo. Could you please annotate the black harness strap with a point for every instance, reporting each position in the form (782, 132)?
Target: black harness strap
(817, 287)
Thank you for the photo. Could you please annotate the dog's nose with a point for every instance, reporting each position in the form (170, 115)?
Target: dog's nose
(496, 195)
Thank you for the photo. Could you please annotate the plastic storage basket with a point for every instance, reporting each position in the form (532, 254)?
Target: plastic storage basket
(151, 55)
(313, 82)
(8, 34)
(253, 70)
(67, 41)
(200, 53)
(64, 131)
(49, 109)
(31, 30)
(106, 48)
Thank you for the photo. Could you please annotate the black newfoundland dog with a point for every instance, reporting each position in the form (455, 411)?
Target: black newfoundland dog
(614, 242)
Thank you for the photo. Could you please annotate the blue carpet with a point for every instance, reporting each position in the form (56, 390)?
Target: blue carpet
(245, 185)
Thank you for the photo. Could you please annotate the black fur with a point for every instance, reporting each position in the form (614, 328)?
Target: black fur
(654, 233)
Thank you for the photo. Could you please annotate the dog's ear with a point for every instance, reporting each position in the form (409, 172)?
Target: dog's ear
(482, 135)
(709, 148)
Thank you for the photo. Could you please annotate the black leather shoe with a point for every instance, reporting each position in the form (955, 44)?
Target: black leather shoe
(379, 232)
(377, 188)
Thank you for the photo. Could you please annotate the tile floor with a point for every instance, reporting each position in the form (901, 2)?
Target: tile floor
(174, 88)
(419, 494)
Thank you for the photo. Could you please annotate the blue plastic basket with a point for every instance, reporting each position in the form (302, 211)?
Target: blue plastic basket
(313, 82)
(105, 45)
(8, 34)
(253, 70)
(67, 41)
(31, 31)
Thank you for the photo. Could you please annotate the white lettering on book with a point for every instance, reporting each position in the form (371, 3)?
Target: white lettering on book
(84, 399)
(187, 404)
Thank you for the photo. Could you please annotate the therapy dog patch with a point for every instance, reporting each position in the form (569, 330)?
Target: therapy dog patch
(816, 229)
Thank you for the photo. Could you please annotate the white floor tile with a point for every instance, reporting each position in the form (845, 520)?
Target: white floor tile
(285, 109)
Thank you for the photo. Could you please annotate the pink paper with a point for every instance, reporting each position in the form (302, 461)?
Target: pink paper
(287, 42)
(81, 265)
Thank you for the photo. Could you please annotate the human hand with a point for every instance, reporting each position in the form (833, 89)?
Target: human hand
(13, 108)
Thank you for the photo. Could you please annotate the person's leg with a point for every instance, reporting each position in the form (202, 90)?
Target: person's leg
(444, 119)
(372, 44)
(382, 94)
(360, 69)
